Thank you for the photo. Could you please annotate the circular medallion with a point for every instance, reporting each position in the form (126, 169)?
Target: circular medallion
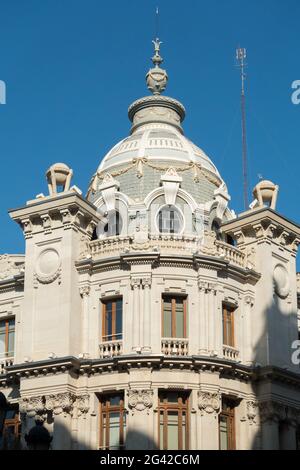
(48, 266)
(281, 281)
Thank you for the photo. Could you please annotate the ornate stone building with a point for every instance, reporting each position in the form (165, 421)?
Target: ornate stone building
(147, 314)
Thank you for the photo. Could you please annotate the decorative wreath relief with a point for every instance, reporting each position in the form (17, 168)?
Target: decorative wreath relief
(281, 281)
(48, 266)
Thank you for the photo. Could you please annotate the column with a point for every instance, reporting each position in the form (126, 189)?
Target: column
(211, 319)
(140, 432)
(135, 285)
(203, 333)
(83, 436)
(269, 426)
(209, 405)
(61, 406)
(84, 292)
(247, 354)
(146, 327)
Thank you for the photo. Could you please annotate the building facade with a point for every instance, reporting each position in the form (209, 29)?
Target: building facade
(148, 315)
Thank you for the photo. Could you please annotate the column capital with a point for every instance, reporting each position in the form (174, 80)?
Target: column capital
(84, 290)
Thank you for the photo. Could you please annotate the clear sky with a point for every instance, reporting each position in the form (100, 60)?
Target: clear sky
(72, 67)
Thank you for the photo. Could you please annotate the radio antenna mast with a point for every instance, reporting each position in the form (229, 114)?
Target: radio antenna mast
(240, 57)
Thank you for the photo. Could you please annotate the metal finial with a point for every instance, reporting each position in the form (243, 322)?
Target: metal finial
(157, 59)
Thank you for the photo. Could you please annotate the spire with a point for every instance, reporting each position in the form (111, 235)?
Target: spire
(157, 78)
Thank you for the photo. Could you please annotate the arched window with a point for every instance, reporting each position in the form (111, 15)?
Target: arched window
(169, 220)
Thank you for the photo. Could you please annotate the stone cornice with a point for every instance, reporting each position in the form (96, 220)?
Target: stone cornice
(263, 225)
(68, 210)
(11, 284)
(223, 367)
(125, 261)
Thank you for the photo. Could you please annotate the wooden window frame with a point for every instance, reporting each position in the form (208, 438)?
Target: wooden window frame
(16, 424)
(105, 408)
(173, 298)
(230, 418)
(114, 334)
(226, 308)
(163, 407)
(6, 321)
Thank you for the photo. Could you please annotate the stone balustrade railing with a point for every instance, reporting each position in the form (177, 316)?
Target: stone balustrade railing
(174, 347)
(182, 244)
(230, 353)
(110, 349)
(230, 253)
(4, 363)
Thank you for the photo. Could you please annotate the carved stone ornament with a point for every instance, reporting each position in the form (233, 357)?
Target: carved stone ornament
(209, 243)
(209, 402)
(171, 181)
(8, 267)
(252, 411)
(62, 402)
(140, 400)
(48, 266)
(272, 411)
(83, 404)
(32, 406)
(281, 281)
(84, 248)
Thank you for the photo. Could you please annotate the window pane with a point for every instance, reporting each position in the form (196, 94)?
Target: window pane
(172, 397)
(2, 344)
(2, 326)
(167, 333)
(172, 430)
(119, 319)
(11, 342)
(223, 433)
(114, 430)
(108, 321)
(161, 431)
(115, 400)
(179, 319)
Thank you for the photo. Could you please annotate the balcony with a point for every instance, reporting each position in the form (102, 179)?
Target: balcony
(174, 347)
(169, 244)
(110, 349)
(4, 363)
(230, 353)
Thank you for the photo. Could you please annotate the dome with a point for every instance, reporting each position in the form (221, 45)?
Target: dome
(155, 145)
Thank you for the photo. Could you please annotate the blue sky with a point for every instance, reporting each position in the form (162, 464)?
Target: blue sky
(72, 67)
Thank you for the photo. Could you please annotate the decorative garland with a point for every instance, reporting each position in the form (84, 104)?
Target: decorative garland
(139, 162)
